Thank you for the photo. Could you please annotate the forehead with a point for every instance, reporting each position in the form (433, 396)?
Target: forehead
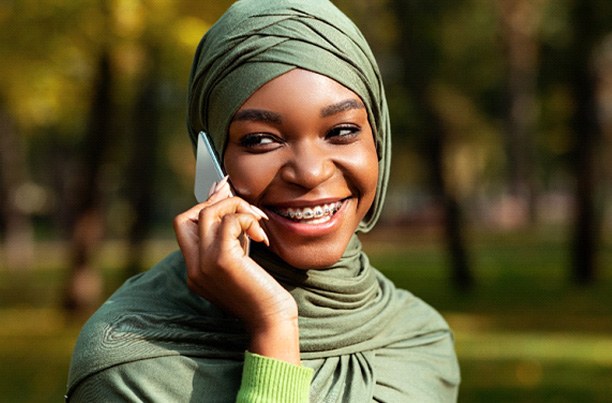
(301, 88)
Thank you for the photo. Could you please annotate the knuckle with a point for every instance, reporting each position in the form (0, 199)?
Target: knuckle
(178, 220)
(205, 214)
(229, 219)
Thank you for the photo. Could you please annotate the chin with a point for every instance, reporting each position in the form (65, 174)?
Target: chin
(308, 257)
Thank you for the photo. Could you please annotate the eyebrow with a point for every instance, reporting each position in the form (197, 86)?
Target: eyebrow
(257, 115)
(260, 115)
(341, 107)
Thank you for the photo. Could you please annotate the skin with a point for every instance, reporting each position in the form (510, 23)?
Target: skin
(301, 140)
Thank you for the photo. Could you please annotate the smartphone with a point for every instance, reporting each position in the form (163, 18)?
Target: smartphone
(208, 168)
(209, 171)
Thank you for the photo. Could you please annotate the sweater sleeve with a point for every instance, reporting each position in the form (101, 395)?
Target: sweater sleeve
(266, 380)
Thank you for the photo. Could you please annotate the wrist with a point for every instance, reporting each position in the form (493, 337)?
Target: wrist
(280, 340)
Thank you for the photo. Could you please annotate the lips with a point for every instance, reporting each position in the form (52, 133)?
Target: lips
(311, 214)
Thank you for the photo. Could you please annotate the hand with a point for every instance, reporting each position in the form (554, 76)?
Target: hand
(219, 270)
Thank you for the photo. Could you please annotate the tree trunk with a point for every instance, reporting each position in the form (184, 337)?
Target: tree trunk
(453, 220)
(420, 63)
(520, 20)
(587, 139)
(84, 288)
(142, 167)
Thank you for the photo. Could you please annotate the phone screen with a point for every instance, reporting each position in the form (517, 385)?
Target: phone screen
(209, 171)
(208, 168)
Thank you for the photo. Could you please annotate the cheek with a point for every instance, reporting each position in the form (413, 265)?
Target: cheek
(249, 175)
(365, 173)
(369, 177)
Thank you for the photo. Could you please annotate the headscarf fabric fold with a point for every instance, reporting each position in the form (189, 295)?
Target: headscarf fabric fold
(256, 41)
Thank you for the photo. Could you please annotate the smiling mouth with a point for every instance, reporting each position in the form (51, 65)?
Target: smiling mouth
(310, 215)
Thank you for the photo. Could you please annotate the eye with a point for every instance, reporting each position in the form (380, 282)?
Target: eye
(343, 134)
(260, 142)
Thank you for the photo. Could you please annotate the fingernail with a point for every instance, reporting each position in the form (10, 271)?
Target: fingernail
(264, 236)
(223, 181)
(221, 184)
(259, 212)
(225, 190)
(212, 189)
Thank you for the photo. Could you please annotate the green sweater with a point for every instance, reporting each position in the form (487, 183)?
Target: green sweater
(268, 380)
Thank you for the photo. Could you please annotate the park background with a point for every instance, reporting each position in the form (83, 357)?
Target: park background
(500, 205)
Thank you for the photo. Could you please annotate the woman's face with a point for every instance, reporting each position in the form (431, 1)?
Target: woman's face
(301, 149)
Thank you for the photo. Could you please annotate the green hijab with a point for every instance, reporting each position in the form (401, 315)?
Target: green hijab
(256, 41)
(365, 339)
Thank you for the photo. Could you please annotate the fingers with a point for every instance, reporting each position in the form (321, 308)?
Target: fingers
(199, 226)
(230, 218)
(234, 225)
(219, 191)
(211, 234)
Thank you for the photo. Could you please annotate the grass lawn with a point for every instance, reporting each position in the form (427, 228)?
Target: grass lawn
(523, 334)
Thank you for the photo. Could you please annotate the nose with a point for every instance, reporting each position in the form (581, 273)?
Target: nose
(308, 166)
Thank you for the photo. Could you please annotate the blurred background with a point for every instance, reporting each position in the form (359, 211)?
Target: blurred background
(499, 212)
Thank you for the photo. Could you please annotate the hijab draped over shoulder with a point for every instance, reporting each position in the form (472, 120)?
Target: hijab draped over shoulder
(365, 339)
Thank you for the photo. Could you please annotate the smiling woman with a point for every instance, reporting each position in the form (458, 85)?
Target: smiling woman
(292, 98)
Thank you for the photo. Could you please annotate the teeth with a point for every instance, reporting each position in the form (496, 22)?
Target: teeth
(309, 213)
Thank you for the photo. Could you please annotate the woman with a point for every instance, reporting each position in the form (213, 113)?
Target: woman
(292, 98)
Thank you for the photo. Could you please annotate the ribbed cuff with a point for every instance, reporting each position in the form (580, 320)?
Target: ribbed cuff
(267, 380)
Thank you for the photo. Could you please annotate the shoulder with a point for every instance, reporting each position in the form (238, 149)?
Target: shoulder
(104, 337)
(153, 315)
(163, 379)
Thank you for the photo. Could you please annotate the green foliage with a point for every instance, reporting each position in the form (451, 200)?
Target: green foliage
(48, 53)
